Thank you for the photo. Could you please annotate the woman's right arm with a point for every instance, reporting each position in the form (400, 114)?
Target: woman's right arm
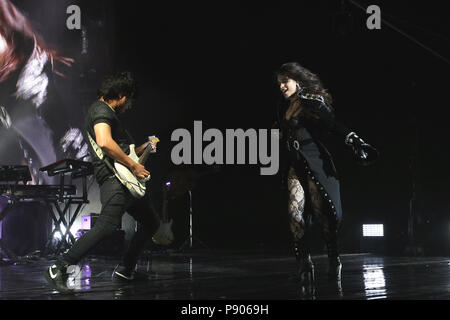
(322, 115)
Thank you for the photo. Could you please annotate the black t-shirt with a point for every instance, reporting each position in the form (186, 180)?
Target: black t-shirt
(100, 112)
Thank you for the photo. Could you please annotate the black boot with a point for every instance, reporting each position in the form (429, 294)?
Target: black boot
(305, 264)
(335, 265)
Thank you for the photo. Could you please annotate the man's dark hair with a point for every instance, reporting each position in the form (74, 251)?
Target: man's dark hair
(118, 84)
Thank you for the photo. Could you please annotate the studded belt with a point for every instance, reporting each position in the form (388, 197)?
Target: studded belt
(295, 144)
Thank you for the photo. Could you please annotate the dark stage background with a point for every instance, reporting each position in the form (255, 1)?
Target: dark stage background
(215, 62)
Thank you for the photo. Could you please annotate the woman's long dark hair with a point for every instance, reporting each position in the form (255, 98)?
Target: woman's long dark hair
(308, 80)
(20, 38)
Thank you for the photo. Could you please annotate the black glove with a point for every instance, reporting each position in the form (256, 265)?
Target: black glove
(364, 153)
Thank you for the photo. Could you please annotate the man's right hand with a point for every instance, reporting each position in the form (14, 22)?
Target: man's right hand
(139, 170)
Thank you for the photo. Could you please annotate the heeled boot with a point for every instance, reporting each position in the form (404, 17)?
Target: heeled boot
(305, 264)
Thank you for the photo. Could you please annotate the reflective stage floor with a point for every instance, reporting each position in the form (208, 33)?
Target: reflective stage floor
(236, 276)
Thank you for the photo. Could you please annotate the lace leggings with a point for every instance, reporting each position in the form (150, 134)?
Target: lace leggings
(298, 203)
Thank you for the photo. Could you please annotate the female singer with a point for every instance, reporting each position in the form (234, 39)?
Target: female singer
(304, 116)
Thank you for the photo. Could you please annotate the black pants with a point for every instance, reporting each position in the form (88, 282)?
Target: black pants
(116, 200)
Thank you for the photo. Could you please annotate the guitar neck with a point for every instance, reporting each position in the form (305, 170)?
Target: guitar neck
(143, 158)
(165, 217)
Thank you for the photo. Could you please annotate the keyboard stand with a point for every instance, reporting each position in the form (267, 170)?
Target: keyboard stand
(58, 208)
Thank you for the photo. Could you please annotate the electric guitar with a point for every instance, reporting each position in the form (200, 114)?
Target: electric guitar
(134, 184)
(164, 235)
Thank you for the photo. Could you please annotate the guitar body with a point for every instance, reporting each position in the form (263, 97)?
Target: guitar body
(164, 235)
(136, 185)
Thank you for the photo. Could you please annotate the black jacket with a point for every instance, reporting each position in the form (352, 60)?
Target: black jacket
(304, 151)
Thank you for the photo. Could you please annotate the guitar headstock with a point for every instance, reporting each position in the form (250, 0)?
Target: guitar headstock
(152, 143)
(165, 190)
(153, 139)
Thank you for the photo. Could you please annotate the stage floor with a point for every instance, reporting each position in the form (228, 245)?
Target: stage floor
(238, 275)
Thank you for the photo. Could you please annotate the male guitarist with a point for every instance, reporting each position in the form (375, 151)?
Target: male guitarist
(115, 96)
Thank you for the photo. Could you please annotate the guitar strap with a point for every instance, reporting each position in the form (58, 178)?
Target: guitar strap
(99, 152)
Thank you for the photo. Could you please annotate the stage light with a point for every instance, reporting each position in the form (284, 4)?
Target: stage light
(373, 239)
(57, 235)
(373, 230)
